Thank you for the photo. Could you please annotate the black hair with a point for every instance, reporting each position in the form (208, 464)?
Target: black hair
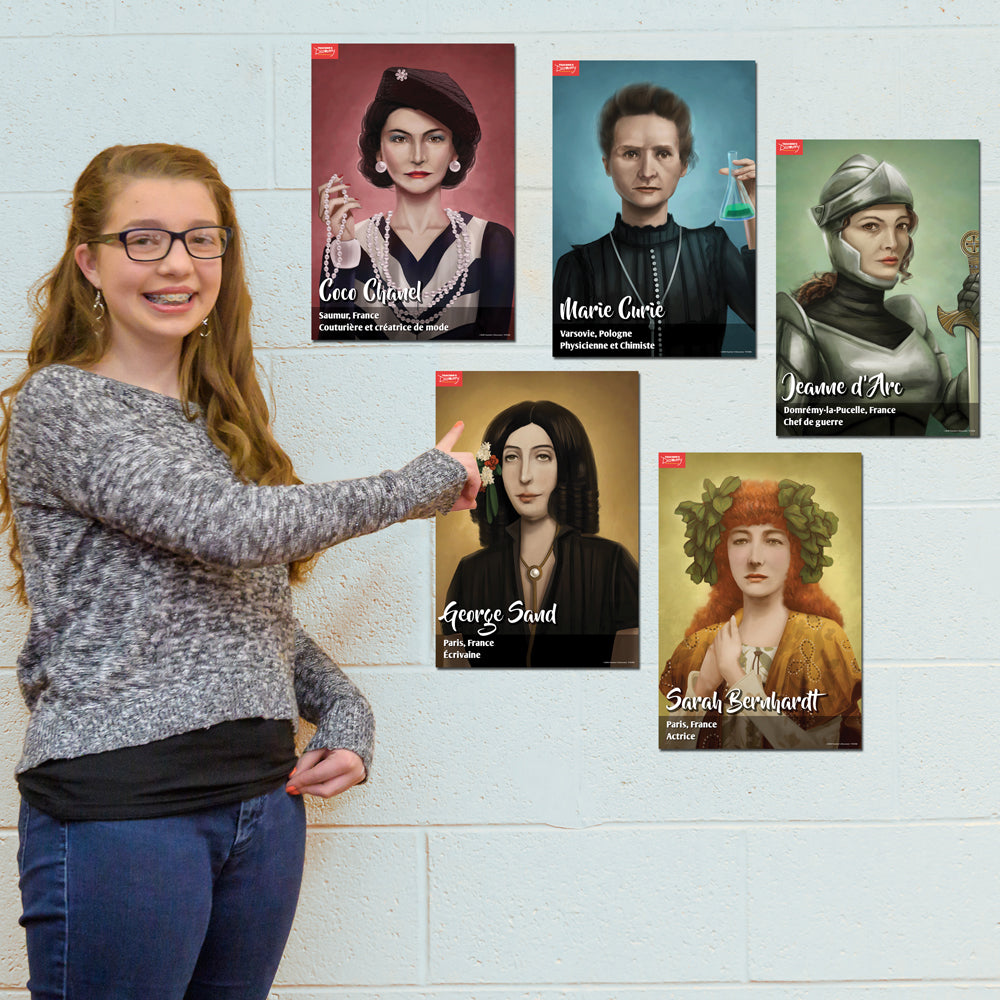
(574, 501)
(428, 91)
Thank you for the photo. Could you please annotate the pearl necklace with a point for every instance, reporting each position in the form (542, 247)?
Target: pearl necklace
(334, 257)
(378, 253)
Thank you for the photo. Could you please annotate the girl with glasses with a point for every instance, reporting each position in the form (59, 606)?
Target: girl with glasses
(156, 526)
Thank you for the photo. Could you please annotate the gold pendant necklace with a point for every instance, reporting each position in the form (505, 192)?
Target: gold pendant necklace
(535, 571)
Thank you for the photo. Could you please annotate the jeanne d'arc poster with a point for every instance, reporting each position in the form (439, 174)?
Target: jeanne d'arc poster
(878, 288)
(760, 601)
(654, 209)
(413, 183)
(543, 572)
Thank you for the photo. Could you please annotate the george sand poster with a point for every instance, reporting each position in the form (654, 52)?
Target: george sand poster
(654, 209)
(878, 288)
(543, 572)
(760, 601)
(413, 183)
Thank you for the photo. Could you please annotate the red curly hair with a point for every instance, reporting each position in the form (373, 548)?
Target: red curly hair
(756, 502)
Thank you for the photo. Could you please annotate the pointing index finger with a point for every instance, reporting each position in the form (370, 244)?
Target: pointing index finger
(448, 442)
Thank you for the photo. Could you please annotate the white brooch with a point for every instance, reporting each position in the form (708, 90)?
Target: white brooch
(401, 75)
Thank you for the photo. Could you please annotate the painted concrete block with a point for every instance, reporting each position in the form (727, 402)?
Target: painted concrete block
(361, 911)
(26, 18)
(907, 551)
(268, 17)
(275, 226)
(345, 413)
(943, 716)
(465, 747)
(37, 222)
(367, 600)
(70, 105)
(657, 991)
(557, 906)
(874, 902)
(292, 102)
(13, 720)
(13, 958)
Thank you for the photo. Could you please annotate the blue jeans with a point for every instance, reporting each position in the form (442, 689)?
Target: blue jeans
(194, 907)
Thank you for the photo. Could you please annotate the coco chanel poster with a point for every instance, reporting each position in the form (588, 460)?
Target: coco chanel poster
(413, 175)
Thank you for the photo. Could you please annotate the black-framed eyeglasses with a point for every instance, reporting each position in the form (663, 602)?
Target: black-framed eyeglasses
(203, 242)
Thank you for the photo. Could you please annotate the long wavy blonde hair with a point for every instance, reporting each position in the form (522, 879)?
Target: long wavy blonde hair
(218, 375)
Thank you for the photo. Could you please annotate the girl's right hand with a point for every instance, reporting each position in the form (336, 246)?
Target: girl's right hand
(467, 498)
(335, 199)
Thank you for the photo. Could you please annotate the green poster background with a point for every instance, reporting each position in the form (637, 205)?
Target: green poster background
(944, 178)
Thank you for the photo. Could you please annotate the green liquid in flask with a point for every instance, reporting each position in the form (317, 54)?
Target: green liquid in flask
(736, 206)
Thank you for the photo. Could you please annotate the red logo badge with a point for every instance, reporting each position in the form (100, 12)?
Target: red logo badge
(447, 378)
(325, 51)
(672, 459)
(565, 67)
(788, 147)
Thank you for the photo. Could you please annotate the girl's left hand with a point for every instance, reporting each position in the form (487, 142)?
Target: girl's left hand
(727, 646)
(747, 173)
(325, 773)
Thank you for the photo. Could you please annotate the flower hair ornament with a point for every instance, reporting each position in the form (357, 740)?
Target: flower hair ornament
(806, 520)
(487, 462)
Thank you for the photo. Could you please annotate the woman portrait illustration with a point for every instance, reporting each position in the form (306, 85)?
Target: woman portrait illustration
(878, 278)
(413, 166)
(760, 602)
(640, 155)
(555, 531)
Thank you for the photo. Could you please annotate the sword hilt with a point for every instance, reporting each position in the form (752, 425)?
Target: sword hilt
(962, 317)
(958, 317)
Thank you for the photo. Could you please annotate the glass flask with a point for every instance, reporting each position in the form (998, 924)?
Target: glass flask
(736, 206)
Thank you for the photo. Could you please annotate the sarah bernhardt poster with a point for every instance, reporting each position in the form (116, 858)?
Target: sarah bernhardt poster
(760, 601)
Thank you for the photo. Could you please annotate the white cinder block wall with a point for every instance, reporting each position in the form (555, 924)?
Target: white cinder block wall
(522, 838)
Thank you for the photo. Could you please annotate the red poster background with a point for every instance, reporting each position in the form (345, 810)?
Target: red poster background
(344, 87)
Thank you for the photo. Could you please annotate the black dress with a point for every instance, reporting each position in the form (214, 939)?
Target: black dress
(710, 276)
(480, 308)
(594, 591)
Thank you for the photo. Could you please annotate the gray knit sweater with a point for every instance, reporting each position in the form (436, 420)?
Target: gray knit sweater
(158, 582)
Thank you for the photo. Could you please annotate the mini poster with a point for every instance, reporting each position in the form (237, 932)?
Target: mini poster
(878, 288)
(543, 572)
(760, 601)
(654, 209)
(413, 183)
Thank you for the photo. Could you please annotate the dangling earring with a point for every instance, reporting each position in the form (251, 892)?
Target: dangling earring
(455, 166)
(205, 331)
(98, 307)
(381, 166)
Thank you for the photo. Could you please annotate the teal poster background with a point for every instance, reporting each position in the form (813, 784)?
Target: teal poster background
(722, 99)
